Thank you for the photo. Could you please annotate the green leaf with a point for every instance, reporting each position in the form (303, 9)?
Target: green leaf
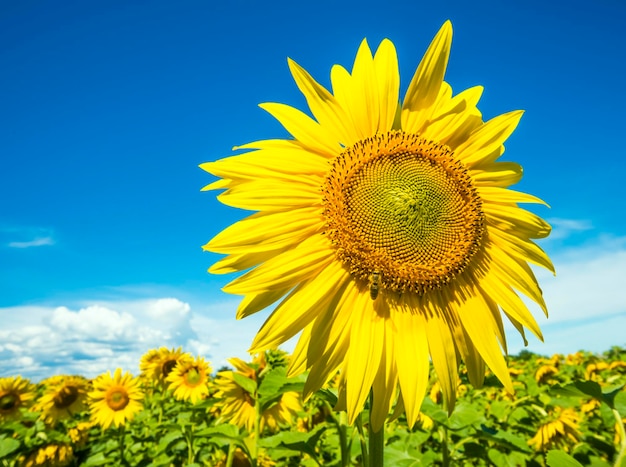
(249, 385)
(561, 459)
(620, 403)
(328, 396)
(295, 441)
(464, 415)
(7, 446)
(609, 396)
(168, 440)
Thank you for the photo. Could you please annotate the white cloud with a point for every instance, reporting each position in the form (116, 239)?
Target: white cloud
(564, 228)
(38, 341)
(39, 241)
(586, 299)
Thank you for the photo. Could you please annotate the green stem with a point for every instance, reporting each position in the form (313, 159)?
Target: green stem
(257, 432)
(376, 440)
(341, 422)
(191, 456)
(364, 453)
(342, 427)
(120, 442)
(620, 428)
(231, 455)
(443, 434)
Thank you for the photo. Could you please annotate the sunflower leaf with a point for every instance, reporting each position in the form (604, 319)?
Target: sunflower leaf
(7, 446)
(561, 459)
(248, 385)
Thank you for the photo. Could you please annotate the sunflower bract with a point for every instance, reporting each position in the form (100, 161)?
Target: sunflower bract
(386, 232)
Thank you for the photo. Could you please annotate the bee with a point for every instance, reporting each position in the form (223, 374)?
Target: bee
(374, 284)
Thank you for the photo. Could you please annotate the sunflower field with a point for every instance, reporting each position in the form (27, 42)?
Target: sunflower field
(566, 411)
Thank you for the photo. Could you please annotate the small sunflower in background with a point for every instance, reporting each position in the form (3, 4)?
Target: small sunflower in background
(189, 380)
(237, 404)
(63, 397)
(156, 364)
(16, 393)
(51, 455)
(561, 432)
(386, 231)
(115, 399)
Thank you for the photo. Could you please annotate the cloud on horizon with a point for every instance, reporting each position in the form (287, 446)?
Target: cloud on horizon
(25, 237)
(586, 301)
(39, 241)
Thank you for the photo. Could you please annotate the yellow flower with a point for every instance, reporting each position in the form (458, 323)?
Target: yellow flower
(559, 433)
(116, 399)
(52, 455)
(156, 365)
(63, 397)
(15, 394)
(544, 373)
(386, 230)
(189, 379)
(80, 433)
(592, 370)
(238, 406)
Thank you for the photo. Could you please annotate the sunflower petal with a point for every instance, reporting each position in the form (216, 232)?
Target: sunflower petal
(427, 80)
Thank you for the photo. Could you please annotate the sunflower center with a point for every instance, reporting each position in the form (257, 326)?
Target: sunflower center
(402, 212)
(9, 402)
(117, 399)
(193, 377)
(168, 366)
(65, 397)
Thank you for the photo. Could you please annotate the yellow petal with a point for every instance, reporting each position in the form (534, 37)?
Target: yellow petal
(411, 357)
(252, 303)
(364, 353)
(480, 326)
(287, 269)
(310, 133)
(424, 86)
(267, 231)
(442, 351)
(307, 301)
(488, 138)
(492, 194)
(500, 174)
(388, 83)
(324, 106)
(264, 195)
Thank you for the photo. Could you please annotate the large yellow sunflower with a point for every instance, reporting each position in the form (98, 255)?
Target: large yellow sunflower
(386, 230)
(63, 397)
(15, 393)
(115, 399)
(190, 379)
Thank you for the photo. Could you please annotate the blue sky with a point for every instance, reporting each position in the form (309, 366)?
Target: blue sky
(107, 108)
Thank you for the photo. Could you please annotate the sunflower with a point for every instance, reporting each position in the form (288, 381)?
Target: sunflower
(63, 397)
(156, 364)
(15, 394)
(386, 230)
(51, 455)
(116, 399)
(189, 379)
(559, 433)
(238, 406)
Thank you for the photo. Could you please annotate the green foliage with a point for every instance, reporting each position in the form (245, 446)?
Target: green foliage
(488, 427)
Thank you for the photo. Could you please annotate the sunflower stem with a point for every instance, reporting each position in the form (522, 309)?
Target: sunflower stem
(622, 432)
(376, 440)
(120, 442)
(231, 455)
(342, 428)
(257, 432)
(443, 434)
(364, 454)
